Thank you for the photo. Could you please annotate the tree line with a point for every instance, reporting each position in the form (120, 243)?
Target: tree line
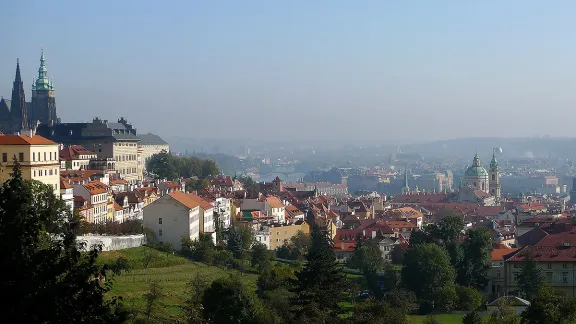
(164, 165)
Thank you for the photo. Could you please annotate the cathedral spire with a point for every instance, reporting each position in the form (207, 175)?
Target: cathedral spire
(42, 83)
(19, 111)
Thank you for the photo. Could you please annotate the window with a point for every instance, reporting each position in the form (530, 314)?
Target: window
(50, 156)
(34, 172)
(549, 265)
(516, 276)
(33, 156)
(4, 157)
(564, 277)
(549, 276)
(160, 220)
(493, 177)
(498, 274)
(564, 265)
(44, 156)
(159, 232)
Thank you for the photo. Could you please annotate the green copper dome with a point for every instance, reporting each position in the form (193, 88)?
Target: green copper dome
(42, 83)
(476, 170)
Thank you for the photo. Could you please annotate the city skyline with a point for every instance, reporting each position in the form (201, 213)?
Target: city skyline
(336, 71)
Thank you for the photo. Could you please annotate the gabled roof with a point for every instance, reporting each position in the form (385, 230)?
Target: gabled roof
(559, 239)
(24, 140)
(95, 187)
(498, 254)
(546, 254)
(274, 202)
(199, 201)
(531, 237)
(184, 199)
(71, 152)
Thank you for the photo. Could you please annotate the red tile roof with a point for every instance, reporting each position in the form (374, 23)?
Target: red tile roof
(184, 199)
(71, 152)
(24, 140)
(498, 254)
(547, 254)
(559, 239)
(419, 199)
(95, 187)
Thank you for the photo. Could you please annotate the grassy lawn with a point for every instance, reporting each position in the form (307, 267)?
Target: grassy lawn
(172, 273)
(443, 318)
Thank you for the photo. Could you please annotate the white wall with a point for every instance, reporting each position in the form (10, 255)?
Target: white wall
(113, 243)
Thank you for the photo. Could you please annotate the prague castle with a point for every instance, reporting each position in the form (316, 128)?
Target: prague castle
(17, 115)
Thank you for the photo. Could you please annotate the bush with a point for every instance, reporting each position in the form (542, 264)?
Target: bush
(223, 258)
(128, 227)
(468, 298)
(120, 265)
(472, 318)
(403, 299)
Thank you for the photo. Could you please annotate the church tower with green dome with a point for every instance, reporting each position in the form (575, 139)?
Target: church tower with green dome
(494, 173)
(476, 176)
(43, 99)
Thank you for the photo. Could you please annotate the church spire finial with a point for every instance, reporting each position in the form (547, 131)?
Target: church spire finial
(42, 83)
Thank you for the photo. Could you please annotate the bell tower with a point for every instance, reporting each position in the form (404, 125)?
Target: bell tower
(43, 99)
(494, 180)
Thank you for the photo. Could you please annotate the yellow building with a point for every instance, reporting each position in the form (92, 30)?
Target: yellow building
(280, 234)
(37, 156)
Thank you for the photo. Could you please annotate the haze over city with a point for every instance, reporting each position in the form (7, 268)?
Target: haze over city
(379, 70)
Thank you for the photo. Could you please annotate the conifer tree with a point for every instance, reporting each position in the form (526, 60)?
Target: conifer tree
(321, 284)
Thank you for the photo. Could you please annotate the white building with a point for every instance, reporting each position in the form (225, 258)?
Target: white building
(172, 217)
(67, 194)
(223, 207)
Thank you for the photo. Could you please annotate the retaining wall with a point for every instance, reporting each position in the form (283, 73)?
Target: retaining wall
(113, 243)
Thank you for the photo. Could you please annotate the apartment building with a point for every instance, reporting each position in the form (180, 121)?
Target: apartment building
(75, 157)
(94, 196)
(172, 217)
(557, 263)
(149, 145)
(206, 213)
(109, 140)
(278, 234)
(38, 158)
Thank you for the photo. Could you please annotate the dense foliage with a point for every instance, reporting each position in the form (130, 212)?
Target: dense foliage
(164, 165)
(44, 272)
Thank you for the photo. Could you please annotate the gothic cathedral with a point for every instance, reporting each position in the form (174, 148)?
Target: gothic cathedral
(17, 115)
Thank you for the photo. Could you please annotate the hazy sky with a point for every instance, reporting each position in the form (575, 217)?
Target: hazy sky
(303, 69)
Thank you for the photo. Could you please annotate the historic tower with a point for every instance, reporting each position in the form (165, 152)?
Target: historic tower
(494, 182)
(406, 188)
(19, 110)
(43, 100)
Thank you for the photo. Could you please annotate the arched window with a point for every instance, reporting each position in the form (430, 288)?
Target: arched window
(483, 188)
(493, 177)
(475, 185)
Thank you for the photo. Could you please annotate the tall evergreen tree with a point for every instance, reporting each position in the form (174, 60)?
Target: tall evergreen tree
(472, 271)
(46, 276)
(321, 284)
(530, 277)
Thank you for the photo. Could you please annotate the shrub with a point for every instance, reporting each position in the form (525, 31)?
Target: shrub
(468, 298)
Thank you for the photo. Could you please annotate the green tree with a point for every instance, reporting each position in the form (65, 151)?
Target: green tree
(322, 276)
(548, 307)
(195, 185)
(397, 254)
(151, 298)
(193, 307)
(227, 300)
(48, 279)
(469, 298)
(428, 273)
(504, 314)
(367, 257)
(299, 244)
(403, 299)
(472, 318)
(431, 319)
(530, 277)
(238, 240)
(202, 249)
(373, 311)
(473, 270)
(261, 257)
(163, 166)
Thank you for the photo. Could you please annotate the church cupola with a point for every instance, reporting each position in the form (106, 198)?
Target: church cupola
(43, 82)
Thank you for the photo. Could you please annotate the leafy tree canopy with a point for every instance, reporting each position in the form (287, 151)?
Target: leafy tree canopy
(45, 274)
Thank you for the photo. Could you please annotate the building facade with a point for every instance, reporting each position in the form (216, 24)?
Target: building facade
(149, 145)
(38, 158)
(110, 141)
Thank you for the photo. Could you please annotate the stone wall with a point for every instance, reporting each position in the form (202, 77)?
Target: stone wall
(113, 243)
